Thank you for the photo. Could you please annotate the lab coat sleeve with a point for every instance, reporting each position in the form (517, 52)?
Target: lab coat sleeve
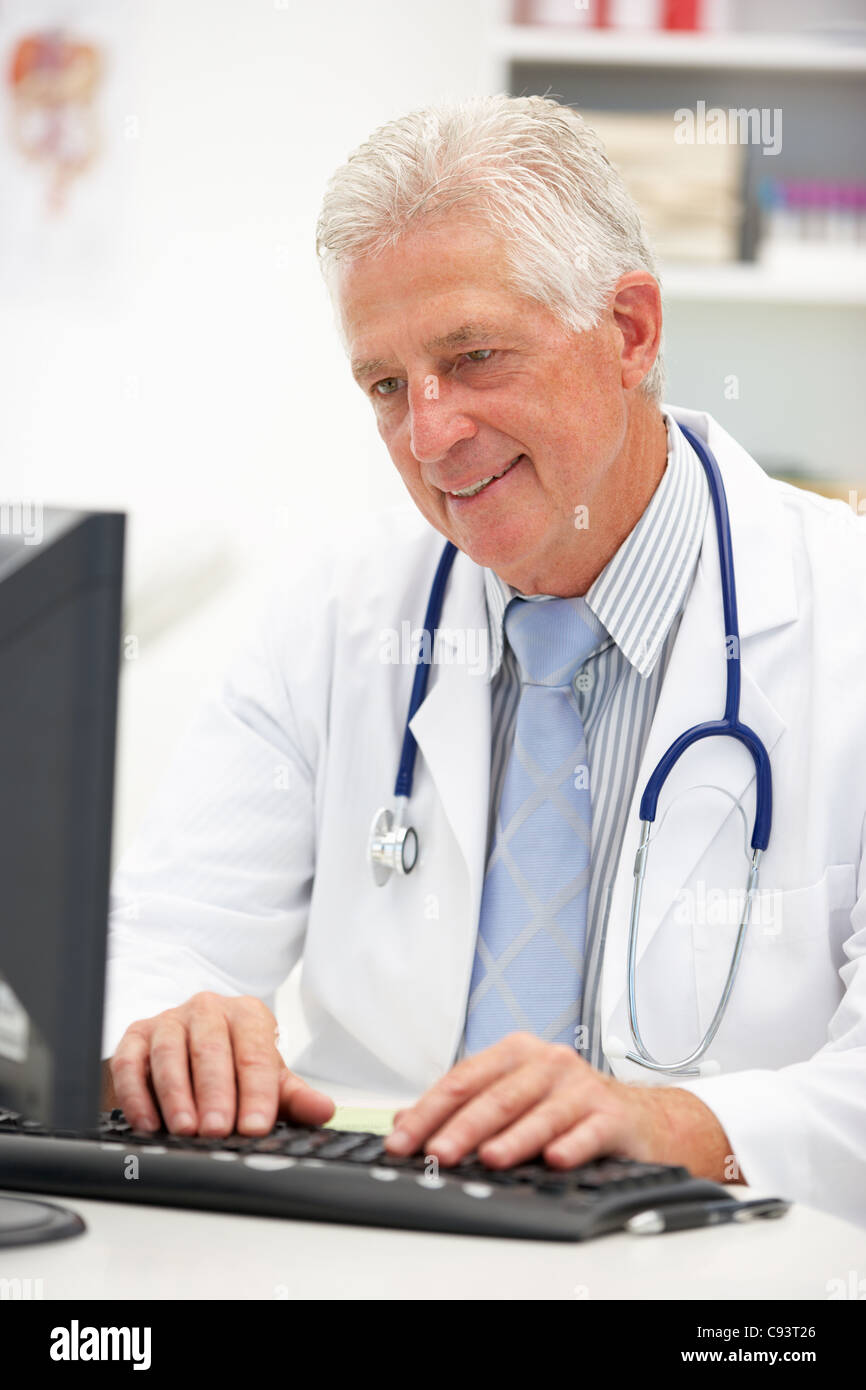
(215, 890)
(800, 1132)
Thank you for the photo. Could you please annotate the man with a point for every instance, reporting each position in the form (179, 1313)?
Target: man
(499, 307)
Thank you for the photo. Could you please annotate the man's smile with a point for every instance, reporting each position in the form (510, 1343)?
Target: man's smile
(472, 490)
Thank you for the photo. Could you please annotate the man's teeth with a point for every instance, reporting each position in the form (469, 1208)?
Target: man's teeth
(476, 487)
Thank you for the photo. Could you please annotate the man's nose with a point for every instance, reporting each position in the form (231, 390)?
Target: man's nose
(436, 421)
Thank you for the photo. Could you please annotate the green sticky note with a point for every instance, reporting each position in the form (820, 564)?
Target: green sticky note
(361, 1118)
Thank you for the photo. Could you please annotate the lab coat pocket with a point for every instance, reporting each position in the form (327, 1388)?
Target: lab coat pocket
(788, 985)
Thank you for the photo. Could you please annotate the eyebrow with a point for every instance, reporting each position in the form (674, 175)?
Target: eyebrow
(466, 333)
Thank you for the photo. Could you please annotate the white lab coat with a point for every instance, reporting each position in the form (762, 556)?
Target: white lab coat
(256, 848)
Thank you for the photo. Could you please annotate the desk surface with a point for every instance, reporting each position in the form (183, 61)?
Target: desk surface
(132, 1252)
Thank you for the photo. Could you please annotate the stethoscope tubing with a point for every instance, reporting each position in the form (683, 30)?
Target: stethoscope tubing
(389, 834)
(730, 725)
(406, 769)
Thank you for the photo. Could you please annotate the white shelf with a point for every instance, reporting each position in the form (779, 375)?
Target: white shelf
(763, 285)
(604, 48)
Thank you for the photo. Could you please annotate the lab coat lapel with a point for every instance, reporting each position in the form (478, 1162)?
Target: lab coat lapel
(694, 692)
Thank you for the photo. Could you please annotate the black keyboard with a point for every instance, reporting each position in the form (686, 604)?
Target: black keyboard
(336, 1175)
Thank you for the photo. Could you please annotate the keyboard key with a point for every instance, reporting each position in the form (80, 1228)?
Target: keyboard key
(369, 1152)
(551, 1187)
(339, 1146)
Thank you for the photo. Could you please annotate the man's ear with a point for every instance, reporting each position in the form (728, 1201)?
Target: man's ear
(637, 313)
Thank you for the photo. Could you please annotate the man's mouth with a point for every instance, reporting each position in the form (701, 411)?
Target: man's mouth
(474, 488)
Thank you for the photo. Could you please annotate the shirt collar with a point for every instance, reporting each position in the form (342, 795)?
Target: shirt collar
(643, 587)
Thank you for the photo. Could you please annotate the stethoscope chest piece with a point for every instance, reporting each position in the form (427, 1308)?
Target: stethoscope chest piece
(393, 847)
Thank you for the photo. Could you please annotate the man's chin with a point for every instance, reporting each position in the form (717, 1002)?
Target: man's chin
(503, 554)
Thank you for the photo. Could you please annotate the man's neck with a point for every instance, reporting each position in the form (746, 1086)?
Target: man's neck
(628, 488)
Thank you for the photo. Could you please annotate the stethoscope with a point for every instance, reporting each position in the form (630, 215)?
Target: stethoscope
(394, 846)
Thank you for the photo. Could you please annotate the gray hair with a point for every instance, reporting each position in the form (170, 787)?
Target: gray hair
(534, 171)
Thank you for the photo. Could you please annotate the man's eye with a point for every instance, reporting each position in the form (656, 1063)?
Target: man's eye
(387, 386)
(480, 354)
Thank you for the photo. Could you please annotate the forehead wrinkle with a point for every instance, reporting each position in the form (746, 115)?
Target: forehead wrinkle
(466, 333)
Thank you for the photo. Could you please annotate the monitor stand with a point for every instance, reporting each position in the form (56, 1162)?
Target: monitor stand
(27, 1221)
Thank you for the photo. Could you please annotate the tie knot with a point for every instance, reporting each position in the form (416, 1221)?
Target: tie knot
(551, 639)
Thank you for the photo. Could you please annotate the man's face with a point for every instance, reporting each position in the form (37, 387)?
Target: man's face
(469, 379)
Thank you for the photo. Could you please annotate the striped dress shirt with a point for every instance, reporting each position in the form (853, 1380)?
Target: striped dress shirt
(637, 602)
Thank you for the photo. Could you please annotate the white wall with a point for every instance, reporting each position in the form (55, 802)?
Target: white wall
(205, 389)
(797, 370)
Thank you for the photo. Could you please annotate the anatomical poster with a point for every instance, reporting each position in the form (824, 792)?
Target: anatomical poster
(68, 133)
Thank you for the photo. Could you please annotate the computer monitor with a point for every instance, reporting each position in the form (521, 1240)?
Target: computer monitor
(61, 575)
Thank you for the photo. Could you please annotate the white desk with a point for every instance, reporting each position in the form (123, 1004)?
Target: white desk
(144, 1252)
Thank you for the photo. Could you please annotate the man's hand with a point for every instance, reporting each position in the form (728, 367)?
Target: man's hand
(524, 1097)
(206, 1064)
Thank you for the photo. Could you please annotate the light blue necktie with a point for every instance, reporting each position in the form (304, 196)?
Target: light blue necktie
(529, 955)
